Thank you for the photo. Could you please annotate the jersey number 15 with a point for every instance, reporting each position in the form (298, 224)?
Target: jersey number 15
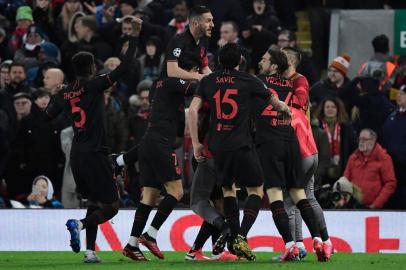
(227, 99)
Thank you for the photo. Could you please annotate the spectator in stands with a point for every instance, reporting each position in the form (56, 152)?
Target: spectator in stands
(259, 31)
(38, 143)
(335, 82)
(18, 81)
(28, 53)
(5, 52)
(24, 19)
(151, 62)
(138, 120)
(15, 174)
(394, 140)
(341, 137)
(287, 38)
(69, 196)
(116, 124)
(346, 195)
(371, 169)
(70, 46)
(380, 65)
(4, 75)
(53, 79)
(127, 7)
(374, 107)
(324, 154)
(180, 20)
(86, 31)
(70, 7)
(229, 34)
(42, 193)
(44, 17)
(398, 77)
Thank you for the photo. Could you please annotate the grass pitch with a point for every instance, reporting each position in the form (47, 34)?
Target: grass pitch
(175, 261)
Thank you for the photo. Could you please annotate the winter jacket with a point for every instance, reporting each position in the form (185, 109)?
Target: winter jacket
(373, 174)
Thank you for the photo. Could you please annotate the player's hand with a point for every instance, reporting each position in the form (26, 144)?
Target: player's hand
(283, 108)
(199, 76)
(198, 150)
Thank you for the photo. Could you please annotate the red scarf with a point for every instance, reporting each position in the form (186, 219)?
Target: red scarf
(334, 139)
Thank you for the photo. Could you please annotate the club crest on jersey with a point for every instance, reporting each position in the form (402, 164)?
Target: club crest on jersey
(182, 81)
(177, 52)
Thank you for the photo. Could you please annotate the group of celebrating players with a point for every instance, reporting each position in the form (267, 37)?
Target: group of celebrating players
(245, 130)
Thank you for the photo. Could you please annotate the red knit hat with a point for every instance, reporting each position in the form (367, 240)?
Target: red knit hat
(341, 63)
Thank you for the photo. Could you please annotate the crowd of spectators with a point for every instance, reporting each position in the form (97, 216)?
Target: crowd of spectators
(38, 39)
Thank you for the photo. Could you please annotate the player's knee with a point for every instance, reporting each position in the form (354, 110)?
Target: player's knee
(259, 191)
(297, 194)
(274, 194)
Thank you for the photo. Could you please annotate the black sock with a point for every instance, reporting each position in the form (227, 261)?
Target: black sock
(220, 224)
(205, 231)
(306, 211)
(251, 210)
(281, 219)
(164, 210)
(91, 230)
(232, 215)
(101, 215)
(214, 236)
(324, 234)
(140, 219)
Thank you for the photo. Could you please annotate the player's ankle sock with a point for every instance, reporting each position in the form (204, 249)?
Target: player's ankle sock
(232, 215)
(306, 211)
(164, 210)
(324, 234)
(91, 230)
(152, 233)
(328, 242)
(204, 234)
(251, 210)
(300, 244)
(133, 241)
(289, 244)
(140, 219)
(281, 219)
(80, 225)
(215, 234)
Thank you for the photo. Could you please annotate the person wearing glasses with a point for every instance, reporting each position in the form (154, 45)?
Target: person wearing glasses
(371, 169)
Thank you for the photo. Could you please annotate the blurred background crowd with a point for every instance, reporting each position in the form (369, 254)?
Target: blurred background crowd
(359, 123)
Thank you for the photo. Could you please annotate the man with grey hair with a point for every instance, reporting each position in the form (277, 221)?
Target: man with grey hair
(53, 79)
(371, 169)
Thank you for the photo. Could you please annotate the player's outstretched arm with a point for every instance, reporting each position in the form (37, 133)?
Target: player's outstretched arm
(279, 105)
(174, 70)
(193, 116)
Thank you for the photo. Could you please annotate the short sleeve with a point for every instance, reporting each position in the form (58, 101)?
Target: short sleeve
(174, 49)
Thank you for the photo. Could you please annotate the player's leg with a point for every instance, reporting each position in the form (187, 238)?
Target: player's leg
(95, 181)
(91, 235)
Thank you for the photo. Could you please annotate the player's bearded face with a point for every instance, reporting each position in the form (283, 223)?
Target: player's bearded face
(206, 24)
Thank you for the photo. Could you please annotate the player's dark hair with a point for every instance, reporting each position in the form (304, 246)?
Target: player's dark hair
(198, 11)
(295, 52)
(381, 44)
(230, 56)
(278, 58)
(188, 60)
(83, 63)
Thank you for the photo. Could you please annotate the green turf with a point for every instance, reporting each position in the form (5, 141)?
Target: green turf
(175, 261)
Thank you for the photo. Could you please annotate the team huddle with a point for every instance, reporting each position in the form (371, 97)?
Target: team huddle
(247, 131)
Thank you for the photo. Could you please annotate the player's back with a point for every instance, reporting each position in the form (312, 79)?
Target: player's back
(167, 106)
(269, 125)
(86, 105)
(229, 93)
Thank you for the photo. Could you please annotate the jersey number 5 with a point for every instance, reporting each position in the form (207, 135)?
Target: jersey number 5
(227, 100)
(76, 109)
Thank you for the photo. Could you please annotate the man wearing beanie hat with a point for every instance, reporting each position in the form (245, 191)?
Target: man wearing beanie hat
(127, 7)
(335, 82)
